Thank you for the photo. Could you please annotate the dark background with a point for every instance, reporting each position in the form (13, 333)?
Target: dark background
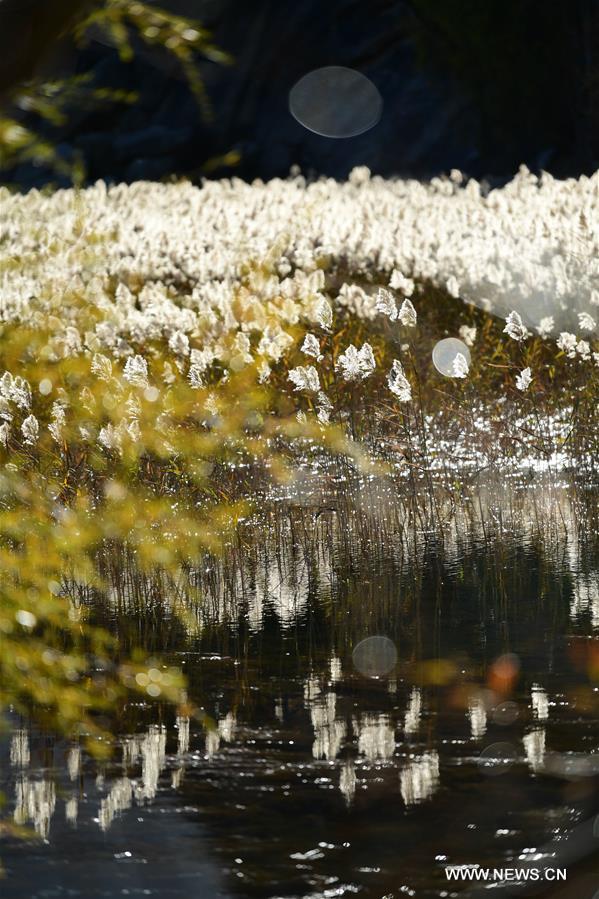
(479, 85)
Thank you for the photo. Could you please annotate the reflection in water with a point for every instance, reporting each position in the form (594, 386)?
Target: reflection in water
(35, 801)
(367, 740)
(347, 781)
(119, 798)
(153, 756)
(212, 743)
(130, 749)
(534, 746)
(182, 725)
(420, 778)
(150, 749)
(478, 717)
(371, 735)
(413, 712)
(376, 737)
(225, 730)
(303, 750)
(281, 554)
(226, 727)
(71, 810)
(585, 599)
(329, 732)
(540, 702)
(19, 749)
(74, 762)
(334, 669)
(279, 714)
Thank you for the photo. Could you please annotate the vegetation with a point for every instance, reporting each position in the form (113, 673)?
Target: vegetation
(163, 492)
(171, 353)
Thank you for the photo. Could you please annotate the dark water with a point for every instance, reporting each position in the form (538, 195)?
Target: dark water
(480, 746)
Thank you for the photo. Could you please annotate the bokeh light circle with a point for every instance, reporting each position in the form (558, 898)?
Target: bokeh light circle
(375, 656)
(497, 758)
(505, 713)
(336, 102)
(445, 352)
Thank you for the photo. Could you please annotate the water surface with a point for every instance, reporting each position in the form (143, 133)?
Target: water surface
(309, 779)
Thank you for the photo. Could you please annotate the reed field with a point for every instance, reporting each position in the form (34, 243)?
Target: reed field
(237, 407)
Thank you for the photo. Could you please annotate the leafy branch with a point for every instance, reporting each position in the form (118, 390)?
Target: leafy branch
(124, 24)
